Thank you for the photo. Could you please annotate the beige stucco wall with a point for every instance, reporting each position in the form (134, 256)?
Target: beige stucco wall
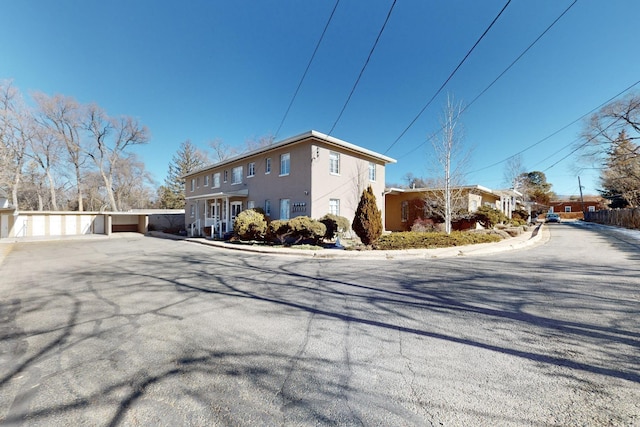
(309, 185)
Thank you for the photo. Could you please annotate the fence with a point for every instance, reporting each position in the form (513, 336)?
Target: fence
(628, 218)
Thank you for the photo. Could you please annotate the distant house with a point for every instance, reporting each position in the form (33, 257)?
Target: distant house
(311, 174)
(404, 205)
(574, 204)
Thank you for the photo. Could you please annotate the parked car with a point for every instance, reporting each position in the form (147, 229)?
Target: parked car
(553, 217)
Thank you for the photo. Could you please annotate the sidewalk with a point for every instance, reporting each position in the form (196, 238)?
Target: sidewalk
(537, 235)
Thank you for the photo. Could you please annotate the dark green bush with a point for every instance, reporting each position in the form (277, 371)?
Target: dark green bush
(488, 217)
(335, 225)
(250, 224)
(296, 230)
(367, 222)
(415, 240)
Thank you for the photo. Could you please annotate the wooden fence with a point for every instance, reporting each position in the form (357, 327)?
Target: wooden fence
(628, 218)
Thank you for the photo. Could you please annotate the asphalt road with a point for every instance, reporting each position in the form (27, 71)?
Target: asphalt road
(142, 331)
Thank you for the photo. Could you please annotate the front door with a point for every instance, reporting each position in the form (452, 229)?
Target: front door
(236, 208)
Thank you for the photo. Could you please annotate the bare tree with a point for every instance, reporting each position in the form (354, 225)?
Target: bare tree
(110, 138)
(451, 160)
(15, 134)
(255, 143)
(221, 151)
(46, 153)
(513, 171)
(62, 116)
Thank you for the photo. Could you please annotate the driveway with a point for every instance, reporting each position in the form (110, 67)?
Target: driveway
(144, 331)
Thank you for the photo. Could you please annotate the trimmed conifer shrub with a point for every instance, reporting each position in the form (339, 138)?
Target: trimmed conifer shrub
(367, 222)
(250, 224)
(335, 224)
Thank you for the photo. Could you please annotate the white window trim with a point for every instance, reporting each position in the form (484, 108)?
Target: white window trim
(214, 180)
(267, 165)
(337, 162)
(193, 184)
(375, 172)
(289, 162)
(251, 169)
(233, 175)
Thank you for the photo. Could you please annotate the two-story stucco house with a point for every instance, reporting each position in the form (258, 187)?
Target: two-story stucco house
(311, 174)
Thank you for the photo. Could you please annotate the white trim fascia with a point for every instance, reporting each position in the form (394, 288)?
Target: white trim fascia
(292, 140)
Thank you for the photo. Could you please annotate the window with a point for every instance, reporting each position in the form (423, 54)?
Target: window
(334, 206)
(206, 180)
(192, 210)
(267, 207)
(251, 204)
(251, 169)
(226, 176)
(193, 184)
(236, 175)
(334, 163)
(372, 172)
(567, 208)
(216, 180)
(592, 208)
(285, 164)
(267, 165)
(197, 182)
(404, 211)
(236, 208)
(284, 208)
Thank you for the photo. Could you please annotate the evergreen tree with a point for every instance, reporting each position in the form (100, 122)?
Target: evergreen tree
(535, 187)
(187, 159)
(620, 179)
(367, 222)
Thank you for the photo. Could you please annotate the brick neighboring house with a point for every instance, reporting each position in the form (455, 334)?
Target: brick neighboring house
(591, 204)
(405, 205)
(311, 174)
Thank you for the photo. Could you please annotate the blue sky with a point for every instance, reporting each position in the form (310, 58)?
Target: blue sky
(204, 70)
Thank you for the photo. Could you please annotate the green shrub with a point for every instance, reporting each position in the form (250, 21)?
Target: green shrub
(414, 240)
(489, 217)
(335, 225)
(367, 222)
(278, 231)
(296, 230)
(250, 224)
(305, 228)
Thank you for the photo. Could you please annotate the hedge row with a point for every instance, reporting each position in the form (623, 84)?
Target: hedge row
(430, 240)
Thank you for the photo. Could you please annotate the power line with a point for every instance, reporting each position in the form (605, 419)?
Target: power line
(561, 129)
(448, 78)
(307, 69)
(493, 82)
(363, 67)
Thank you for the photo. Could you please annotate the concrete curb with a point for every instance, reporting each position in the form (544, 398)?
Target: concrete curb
(538, 235)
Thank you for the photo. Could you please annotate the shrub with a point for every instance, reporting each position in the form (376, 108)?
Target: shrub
(335, 225)
(278, 230)
(488, 217)
(295, 230)
(423, 225)
(305, 228)
(367, 222)
(250, 225)
(413, 240)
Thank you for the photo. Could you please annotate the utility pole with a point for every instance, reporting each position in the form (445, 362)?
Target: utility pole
(581, 198)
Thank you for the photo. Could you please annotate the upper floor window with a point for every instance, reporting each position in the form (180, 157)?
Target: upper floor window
(285, 164)
(197, 182)
(226, 176)
(267, 165)
(251, 169)
(216, 180)
(236, 177)
(193, 184)
(334, 162)
(372, 171)
(206, 180)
